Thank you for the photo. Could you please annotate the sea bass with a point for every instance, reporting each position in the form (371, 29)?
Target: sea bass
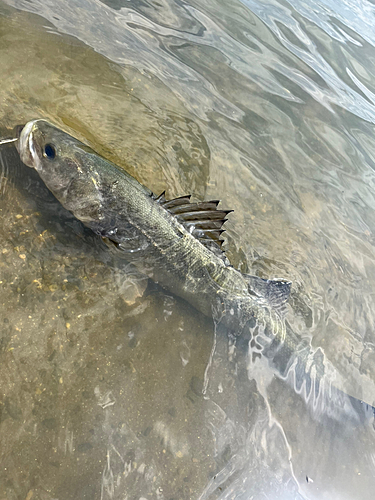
(176, 243)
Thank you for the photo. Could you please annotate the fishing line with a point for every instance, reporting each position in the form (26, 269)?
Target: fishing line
(7, 141)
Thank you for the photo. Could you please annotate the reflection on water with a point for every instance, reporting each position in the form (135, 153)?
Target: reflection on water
(110, 387)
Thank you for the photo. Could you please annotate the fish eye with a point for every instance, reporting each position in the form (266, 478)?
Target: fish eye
(49, 151)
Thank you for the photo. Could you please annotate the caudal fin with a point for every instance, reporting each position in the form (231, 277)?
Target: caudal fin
(276, 292)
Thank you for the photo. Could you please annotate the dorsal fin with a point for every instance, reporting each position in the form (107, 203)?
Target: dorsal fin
(202, 219)
(194, 207)
(170, 204)
(161, 198)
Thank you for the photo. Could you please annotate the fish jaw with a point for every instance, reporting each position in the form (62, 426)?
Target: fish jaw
(26, 145)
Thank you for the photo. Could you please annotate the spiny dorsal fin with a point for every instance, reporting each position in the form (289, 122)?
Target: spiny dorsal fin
(202, 219)
(170, 204)
(197, 215)
(161, 198)
(194, 207)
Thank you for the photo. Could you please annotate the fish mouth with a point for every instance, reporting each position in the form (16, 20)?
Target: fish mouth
(25, 144)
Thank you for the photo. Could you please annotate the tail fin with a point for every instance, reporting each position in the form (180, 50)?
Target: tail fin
(276, 292)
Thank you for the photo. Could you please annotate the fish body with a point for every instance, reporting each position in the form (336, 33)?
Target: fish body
(176, 243)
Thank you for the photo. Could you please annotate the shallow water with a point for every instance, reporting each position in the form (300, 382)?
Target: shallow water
(112, 390)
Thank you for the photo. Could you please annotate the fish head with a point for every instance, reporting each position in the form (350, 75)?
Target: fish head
(60, 159)
(78, 177)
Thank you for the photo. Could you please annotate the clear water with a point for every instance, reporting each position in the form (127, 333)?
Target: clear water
(108, 391)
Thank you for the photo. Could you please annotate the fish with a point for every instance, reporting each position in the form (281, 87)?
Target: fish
(174, 242)
(177, 243)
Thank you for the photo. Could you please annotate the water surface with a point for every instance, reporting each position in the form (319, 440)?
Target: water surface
(111, 388)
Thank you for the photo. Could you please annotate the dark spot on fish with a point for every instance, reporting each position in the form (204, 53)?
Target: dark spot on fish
(49, 151)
